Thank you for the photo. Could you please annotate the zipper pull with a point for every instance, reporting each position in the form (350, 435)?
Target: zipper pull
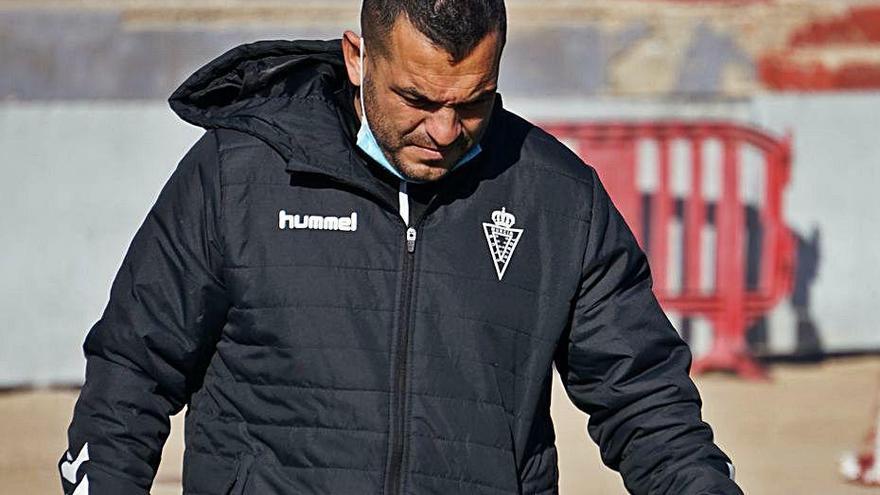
(410, 240)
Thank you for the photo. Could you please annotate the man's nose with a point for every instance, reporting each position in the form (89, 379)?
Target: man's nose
(444, 127)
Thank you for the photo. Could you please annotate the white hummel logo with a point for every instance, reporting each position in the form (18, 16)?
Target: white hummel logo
(317, 222)
(502, 239)
(70, 468)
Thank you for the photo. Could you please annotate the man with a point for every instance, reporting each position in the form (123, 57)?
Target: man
(359, 279)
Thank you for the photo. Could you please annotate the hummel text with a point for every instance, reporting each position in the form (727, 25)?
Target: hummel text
(317, 222)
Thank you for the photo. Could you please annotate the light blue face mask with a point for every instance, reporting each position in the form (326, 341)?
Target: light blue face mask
(366, 141)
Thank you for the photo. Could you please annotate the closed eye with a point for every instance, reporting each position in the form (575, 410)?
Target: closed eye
(478, 103)
(419, 102)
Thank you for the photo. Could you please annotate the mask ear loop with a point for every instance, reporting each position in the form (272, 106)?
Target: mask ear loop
(361, 89)
(361, 46)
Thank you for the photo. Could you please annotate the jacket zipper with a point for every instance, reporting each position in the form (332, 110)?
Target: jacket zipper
(399, 392)
(397, 454)
(395, 466)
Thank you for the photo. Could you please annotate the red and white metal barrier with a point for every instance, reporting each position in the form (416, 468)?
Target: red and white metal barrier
(676, 194)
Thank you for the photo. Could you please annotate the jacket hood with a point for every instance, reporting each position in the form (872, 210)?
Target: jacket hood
(279, 91)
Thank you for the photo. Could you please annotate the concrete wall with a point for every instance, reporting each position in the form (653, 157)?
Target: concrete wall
(77, 182)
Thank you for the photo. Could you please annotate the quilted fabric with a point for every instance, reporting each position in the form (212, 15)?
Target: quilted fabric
(322, 360)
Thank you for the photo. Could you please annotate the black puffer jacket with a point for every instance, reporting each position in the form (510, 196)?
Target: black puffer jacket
(347, 353)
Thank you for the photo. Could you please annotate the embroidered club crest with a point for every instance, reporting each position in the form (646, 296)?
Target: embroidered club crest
(502, 239)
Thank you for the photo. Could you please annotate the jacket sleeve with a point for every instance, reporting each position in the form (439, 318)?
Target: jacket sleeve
(147, 353)
(624, 364)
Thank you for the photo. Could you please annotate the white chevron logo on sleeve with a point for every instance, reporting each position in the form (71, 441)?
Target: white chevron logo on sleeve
(70, 467)
(83, 488)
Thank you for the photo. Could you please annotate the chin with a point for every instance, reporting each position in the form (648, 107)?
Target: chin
(422, 171)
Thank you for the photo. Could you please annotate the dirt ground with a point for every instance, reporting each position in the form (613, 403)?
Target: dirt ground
(785, 436)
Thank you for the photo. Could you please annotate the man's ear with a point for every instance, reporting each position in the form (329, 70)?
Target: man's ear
(351, 43)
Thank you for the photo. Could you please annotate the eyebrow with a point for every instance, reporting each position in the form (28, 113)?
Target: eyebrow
(413, 93)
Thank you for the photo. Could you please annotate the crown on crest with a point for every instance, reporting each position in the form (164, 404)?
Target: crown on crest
(502, 218)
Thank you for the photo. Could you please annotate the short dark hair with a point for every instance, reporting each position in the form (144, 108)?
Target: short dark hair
(456, 26)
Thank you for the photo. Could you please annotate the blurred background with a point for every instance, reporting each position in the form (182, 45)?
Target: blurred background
(740, 138)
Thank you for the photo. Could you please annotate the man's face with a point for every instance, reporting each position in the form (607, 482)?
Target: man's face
(425, 110)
